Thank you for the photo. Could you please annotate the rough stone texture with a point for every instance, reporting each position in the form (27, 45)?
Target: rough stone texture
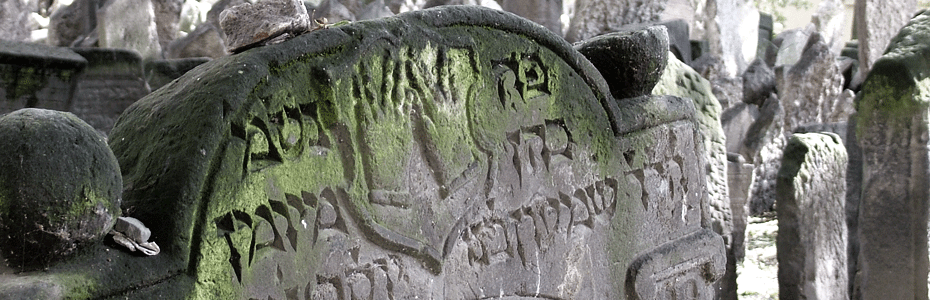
(59, 190)
(160, 72)
(69, 22)
(682, 81)
(247, 25)
(739, 180)
(679, 39)
(129, 25)
(791, 44)
(35, 75)
(853, 194)
(14, 15)
(596, 17)
(758, 82)
(812, 232)
(631, 61)
(544, 12)
(764, 142)
(736, 122)
(766, 48)
(877, 22)
(455, 153)
(728, 90)
(167, 18)
(112, 81)
(810, 90)
(205, 41)
(892, 129)
(830, 21)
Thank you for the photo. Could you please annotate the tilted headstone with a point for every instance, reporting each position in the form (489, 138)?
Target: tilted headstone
(812, 232)
(892, 129)
(758, 82)
(764, 142)
(112, 81)
(810, 89)
(453, 153)
(877, 22)
(129, 25)
(735, 36)
(35, 75)
(205, 41)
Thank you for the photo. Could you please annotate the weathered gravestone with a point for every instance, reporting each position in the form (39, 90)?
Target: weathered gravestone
(112, 81)
(876, 23)
(34, 75)
(129, 25)
(454, 153)
(812, 218)
(892, 129)
(810, 90)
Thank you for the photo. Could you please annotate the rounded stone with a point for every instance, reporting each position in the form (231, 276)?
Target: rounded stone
(60, 187)
(631, 61)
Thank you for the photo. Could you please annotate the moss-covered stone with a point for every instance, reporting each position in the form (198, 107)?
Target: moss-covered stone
(60, 188)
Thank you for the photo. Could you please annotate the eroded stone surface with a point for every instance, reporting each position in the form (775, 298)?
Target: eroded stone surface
(812, 218)
(892, 129)
(247, 24)
(50, 209)
(877, 22)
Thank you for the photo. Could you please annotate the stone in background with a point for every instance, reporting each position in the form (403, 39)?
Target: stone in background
(112, 81)
(35, 75)
(877, 22)
(129, 25)
(812, 218)
(14, 19)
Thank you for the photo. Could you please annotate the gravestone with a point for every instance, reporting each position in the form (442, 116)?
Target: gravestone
(595, 17)
(812, 232)
(736, 122)
(763, 145)
(112, 81)
(830, 21)
(877, 22)
(456, 153)
(810, 90)
(35, 75)
(129, 25)
(891, 127)
(15, 19)
(545, 12)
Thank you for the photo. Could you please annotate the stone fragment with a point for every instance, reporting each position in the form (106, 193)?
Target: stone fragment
(735, 36)
(35, 75)
(112, 81)
(812, 232)
(631, 61)
(810, 90)
(61, 187)
(891, 127)
(129, 25)
(877, 22)
(205, 41)
(248, 25)
(758, 82)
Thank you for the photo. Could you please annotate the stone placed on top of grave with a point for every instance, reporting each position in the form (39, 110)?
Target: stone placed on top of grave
(129, 232)
(205, 41)
(249, 25)
(632, 62)
(61, 187)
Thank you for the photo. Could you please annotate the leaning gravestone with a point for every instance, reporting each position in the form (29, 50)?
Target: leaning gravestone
(812, 218)
(892, 129)
(452, 153)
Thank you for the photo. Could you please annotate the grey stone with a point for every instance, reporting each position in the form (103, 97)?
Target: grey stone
(766, 48)
(679, 39)
(15, 19)
(36, 75)
(763, 144)
(791, 44)
(812, 231)
(596, 17)
(877, 22)
(739, 179)
(838, 128)
(129, 25)
(631, 61)
(682, 81)
(736, 122)
(810, 91)
(205, 41)
(61, 187)
(167, 20)
(374, 10)
(830, 21)
(69, 22)
(248, 25)
(112, 81)
(333, 11)
(547, 13)
(758, 82)
(161, 72)
(430, 154)
(735, 36)
(892, 113)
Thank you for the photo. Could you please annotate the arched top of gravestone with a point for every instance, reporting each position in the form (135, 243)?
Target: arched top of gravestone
(174, 144)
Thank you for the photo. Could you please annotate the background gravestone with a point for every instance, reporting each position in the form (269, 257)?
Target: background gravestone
(34, 75)
(111, 82)
(812, 218)
(892, 129)
(876, 23)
